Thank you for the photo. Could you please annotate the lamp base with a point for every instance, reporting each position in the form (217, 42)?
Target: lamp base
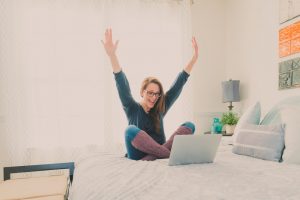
(230, 106)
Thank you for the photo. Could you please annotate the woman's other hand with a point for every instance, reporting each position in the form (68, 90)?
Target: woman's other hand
(194, 59)
(109, 46)
(195, 47)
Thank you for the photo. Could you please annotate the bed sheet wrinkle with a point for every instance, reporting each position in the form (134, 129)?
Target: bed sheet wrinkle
(140, 179)
(124, 178)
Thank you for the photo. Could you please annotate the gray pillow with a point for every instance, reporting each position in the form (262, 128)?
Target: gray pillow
(260, 141)
(273, 116)
(251, 116)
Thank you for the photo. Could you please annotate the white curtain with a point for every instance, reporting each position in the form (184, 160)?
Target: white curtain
(56, 83)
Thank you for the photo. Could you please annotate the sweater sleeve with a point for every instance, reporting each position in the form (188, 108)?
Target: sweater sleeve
(173, 93)
(124, 90)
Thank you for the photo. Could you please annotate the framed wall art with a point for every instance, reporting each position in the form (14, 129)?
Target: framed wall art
(289, 44)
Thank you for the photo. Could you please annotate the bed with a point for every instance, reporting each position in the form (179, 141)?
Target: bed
(108, 175)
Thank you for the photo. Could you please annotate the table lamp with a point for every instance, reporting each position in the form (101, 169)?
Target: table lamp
(231, 92)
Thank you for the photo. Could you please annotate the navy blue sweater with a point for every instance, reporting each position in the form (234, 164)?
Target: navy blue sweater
(135, 112)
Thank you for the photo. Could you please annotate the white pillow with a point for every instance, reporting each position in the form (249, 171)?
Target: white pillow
(260, 141)
(251, 116)
(291, 118)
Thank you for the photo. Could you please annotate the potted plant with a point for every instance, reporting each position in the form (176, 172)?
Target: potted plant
(229, 120)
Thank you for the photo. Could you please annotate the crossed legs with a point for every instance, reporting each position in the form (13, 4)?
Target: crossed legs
(140, 146)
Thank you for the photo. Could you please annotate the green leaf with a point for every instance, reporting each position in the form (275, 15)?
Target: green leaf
(229, 118)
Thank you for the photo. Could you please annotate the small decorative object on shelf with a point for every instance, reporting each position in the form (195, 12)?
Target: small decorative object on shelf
(216, 126)
(229, 120)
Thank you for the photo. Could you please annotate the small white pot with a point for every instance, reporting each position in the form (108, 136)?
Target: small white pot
(229, 129)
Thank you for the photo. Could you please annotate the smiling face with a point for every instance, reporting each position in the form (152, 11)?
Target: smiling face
(150, 96)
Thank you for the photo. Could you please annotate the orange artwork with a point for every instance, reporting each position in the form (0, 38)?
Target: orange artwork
(289, 40)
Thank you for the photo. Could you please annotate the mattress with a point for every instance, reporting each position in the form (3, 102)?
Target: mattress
(109, 175)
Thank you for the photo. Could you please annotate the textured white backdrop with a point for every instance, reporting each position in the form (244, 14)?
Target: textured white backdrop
(56, 84)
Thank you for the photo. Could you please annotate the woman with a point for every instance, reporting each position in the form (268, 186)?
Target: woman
(145, 137)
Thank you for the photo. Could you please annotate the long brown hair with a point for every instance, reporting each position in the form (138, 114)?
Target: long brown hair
(159, 106)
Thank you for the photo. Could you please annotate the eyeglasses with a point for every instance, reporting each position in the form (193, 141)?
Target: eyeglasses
(151, 94)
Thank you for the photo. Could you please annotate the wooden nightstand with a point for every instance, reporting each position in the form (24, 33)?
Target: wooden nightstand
(226, 139)
(223, 133)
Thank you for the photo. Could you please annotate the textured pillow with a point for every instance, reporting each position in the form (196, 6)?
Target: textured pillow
(274, 116)
(260, 141)
(251, 116)
(291, 118)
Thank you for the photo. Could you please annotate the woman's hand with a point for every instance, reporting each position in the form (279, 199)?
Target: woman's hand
(194, 59)
(108, 44)
(195, 46)
(110, 49)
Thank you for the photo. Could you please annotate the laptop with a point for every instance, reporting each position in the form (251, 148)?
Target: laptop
(194, 149)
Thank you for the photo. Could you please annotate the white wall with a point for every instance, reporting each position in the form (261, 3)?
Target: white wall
(238, 39)
(252, 51)
(47, 97)
(208, 22)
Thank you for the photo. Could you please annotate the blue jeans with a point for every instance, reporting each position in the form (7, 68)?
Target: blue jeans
(131, 132)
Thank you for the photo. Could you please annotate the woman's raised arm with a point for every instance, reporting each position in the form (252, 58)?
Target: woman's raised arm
(110, 48)
(190, 65)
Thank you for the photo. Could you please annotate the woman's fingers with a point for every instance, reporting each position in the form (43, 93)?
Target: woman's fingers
(110, 34)
(194, 42)
(116, 45)
(195, 46)
(106, 34)
(108, 43)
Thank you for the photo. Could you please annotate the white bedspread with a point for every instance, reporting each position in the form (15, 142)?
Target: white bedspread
(111, 176)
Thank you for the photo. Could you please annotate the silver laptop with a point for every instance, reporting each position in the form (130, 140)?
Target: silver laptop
(194, 149)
